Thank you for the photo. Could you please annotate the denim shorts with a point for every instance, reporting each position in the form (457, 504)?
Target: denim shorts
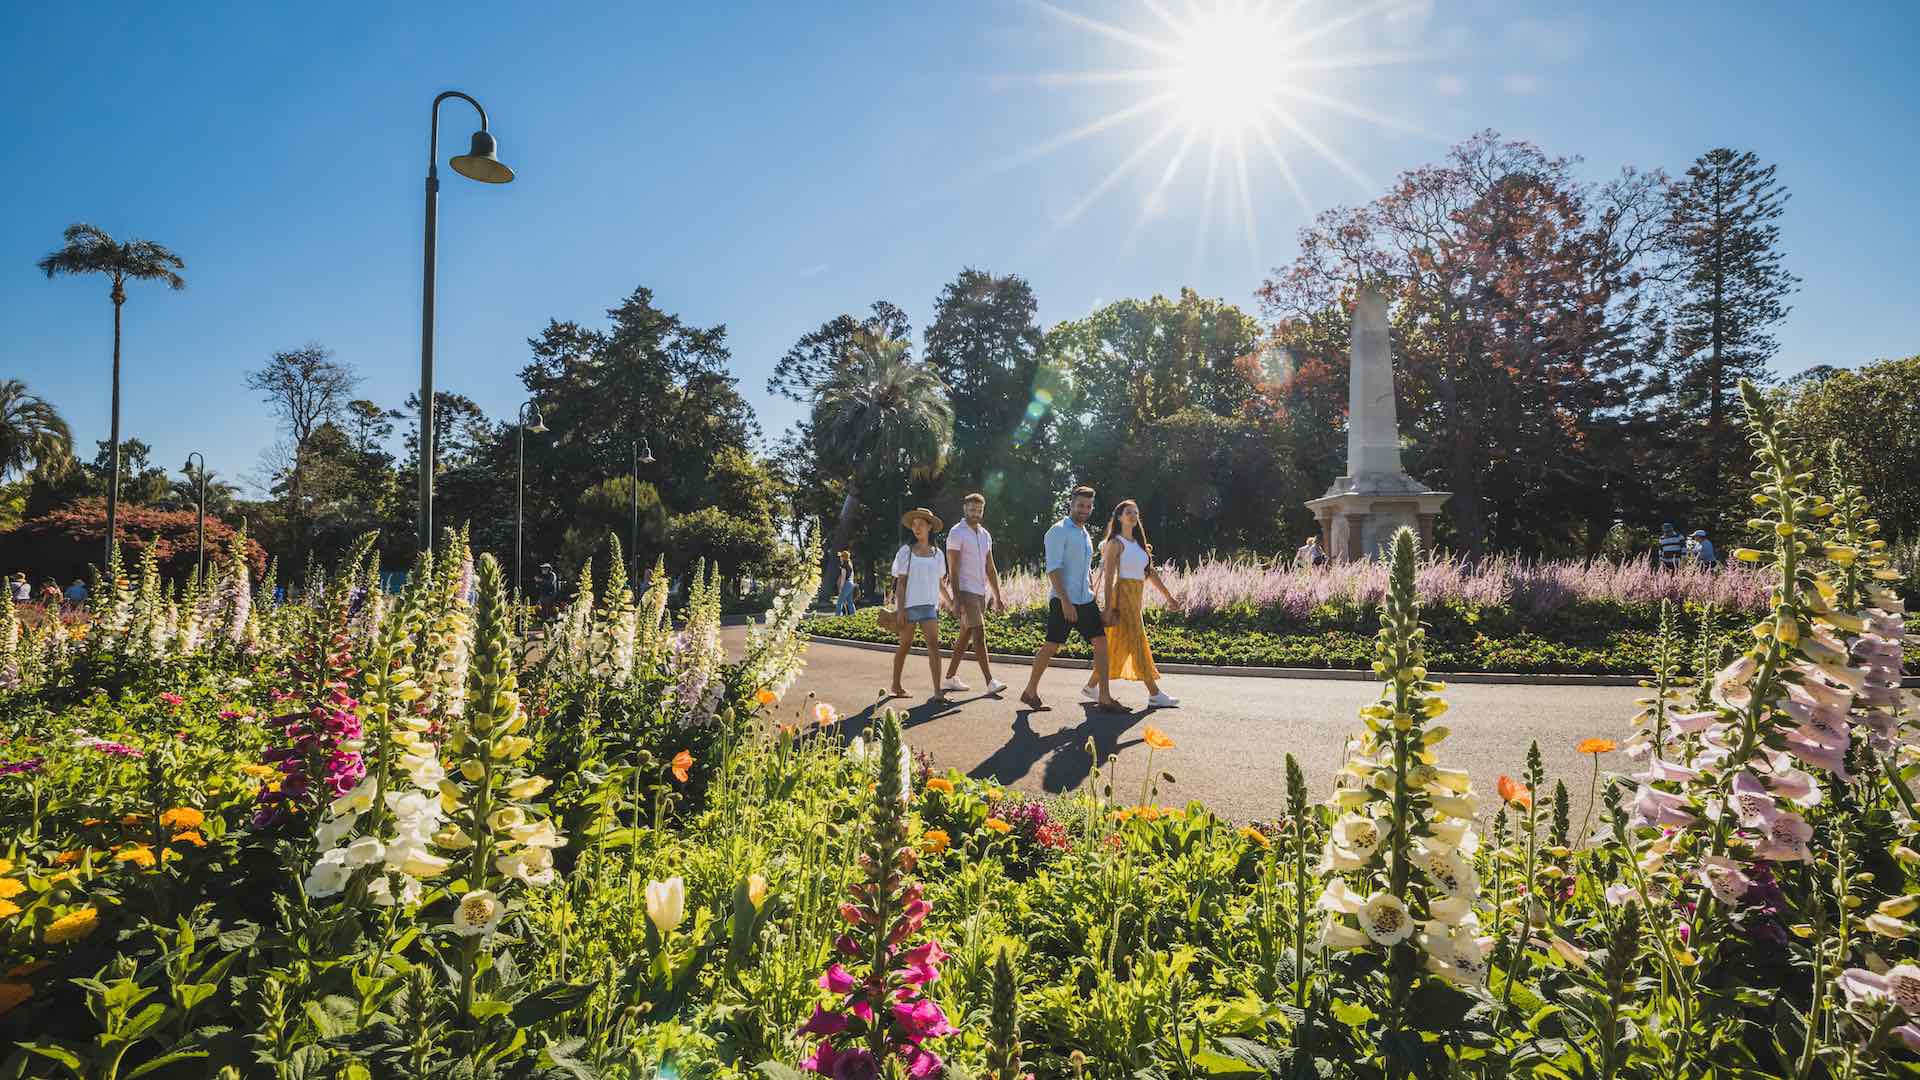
(923, 613)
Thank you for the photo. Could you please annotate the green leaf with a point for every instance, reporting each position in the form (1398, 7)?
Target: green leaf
(488, 1008)
(773, 1070)
(59, 1053)
(240, 937)
(164, 1060)
(1259, 1055)
(550, 1001)
(1351, 1013)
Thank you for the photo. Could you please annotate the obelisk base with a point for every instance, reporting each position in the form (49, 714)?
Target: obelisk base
(1360, 525)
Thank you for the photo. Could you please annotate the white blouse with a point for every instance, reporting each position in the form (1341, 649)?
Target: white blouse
(923, 574)
(1133, 561)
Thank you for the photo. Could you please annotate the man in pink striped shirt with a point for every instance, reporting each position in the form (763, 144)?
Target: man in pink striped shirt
(970, 568)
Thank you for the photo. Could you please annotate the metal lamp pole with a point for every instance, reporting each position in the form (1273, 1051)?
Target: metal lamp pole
(642, 455)
(519, 493)
(478, 163)
(200, 519)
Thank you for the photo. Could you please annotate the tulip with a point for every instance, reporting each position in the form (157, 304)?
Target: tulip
(667, 904)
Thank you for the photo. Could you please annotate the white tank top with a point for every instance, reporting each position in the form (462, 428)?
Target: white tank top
(1133, 561)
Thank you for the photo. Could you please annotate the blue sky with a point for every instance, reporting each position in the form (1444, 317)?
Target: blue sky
(768, 166)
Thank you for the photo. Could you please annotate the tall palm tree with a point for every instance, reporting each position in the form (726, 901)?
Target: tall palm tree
(32, 435)
(91, 251)
(875, 410)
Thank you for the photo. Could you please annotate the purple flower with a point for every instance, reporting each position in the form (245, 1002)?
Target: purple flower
(27, 767)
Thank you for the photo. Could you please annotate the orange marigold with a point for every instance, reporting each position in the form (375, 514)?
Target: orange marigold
(68, 858)
(10, 888)
(1514, 792)
(138, 854)
(1157, 739)
(190, 837)
(73, 926)
(940, 784)
(8, 909)
(935, 841)
(1597, 746)
(765, 697)
(20, 970)
(182, 817)
(998, 825)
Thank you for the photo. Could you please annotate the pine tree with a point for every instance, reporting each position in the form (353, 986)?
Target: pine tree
(1727, 265)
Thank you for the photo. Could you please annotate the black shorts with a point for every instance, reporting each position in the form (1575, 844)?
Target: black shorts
(1089, 627)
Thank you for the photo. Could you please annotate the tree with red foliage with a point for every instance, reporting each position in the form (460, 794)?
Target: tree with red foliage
(1518, 329)
(63, 543)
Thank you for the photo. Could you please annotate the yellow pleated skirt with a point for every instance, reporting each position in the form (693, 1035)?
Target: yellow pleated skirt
(1128, 656)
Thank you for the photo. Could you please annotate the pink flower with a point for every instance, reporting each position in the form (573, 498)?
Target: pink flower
(1785, 839)
(837, 980)
(1753, 804)
(825, 1023)
(1722, 876)
(170, 699)
(927, 1063)
(1651, 806)
(921, 1019)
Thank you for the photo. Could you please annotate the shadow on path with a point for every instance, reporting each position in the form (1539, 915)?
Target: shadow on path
(1067, 762)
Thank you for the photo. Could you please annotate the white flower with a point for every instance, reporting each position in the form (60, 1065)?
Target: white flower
(1454, 806)
(857, 749)
(414, 860)
(380, 891)
(1722, 876)
(1454, 833)
(667, 904)
(528, 788)
(477, 914)
(1336, 936)
(411, 805)
(1385, 919)
(529, 865)
(365, 851)
(1454, 875)
(424, 770)
(1358, 837)
(1450, 781)
(357, 801)
(1450, 910)
(329, 875)
(540, 835)
(1339, 898)
(1620, 893)
(332, 831)
(1457, 954)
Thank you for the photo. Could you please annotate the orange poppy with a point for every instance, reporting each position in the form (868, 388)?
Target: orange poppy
(1514, 792)
(682, 761)
(1597, 746)
(1157, 739)
(765, 697)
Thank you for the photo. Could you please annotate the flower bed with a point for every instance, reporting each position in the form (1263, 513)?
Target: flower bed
(368, 836)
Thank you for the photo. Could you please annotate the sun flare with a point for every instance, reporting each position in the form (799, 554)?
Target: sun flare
(1230, 71)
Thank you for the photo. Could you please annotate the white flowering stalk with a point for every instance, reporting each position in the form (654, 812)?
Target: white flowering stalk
(145, 636)
(615, 622)
(694, 662)
(776, 650)
(9, 643)
(1400, 855)
(572, 631)
(651, 637)
(449, 631)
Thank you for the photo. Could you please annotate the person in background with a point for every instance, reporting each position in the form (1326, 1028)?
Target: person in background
(920, 583)
(971, 571)
(1070, 606)
(1672, 546)
(76, 593)
(1126, 565)
(843, 596)
(19, 589)
(1700, 550)
(1310, 553)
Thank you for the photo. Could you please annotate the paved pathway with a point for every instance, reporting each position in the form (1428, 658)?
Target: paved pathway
(1233, 733)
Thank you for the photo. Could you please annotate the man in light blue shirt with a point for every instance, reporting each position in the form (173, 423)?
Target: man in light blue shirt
(1070, 606)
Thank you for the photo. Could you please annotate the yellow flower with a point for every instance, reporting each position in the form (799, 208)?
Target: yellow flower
(1597, 746)
(8, 909)
(139, 854)
(10, 888)
(260, 772)
(1157, 739)
(182, 817)
(12, 994)
(940, 784)
(73, 926)
(6, 866)
(132, 819)
(1259, 838)
(935, 841)
(1148, 813)
(190, 837)
(998, 825)
(68, 858)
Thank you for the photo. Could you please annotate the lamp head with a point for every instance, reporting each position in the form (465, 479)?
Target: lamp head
(539, 422)
(646, 453)
(480, 163)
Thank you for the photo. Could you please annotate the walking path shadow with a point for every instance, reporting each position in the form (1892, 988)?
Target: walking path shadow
(1064, 752)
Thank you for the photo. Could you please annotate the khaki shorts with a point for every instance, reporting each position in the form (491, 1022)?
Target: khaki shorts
(973, 608)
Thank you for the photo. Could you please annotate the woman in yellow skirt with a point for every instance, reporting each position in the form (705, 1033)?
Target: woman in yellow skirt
(1126, 565)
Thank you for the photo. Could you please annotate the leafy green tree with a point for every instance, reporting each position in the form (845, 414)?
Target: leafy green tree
(88, 250)
(141, 483)
(32, 434)
(1732, 282)
(1139, 360)
(800, 373)
(733, 544)
(307, 389)
(1875, 412)
(879, 414)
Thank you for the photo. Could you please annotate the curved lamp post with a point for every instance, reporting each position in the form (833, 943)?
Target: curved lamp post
(519, 492)
(200, 519)
(478, 163)
(642, 455)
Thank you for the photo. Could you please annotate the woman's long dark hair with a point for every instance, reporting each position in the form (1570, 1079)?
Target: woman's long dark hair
(1139, 527)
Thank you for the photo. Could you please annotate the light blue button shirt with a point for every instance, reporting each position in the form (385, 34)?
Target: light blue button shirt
(1070, 551)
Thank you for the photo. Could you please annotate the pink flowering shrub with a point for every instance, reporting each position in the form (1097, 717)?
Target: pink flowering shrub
(319, 757)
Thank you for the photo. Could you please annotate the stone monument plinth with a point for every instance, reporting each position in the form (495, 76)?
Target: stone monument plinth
(1363, 509)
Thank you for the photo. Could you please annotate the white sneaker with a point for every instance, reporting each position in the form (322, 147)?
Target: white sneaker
(995, 686)
(1088, 693)
(954, 683)
(1163, 700)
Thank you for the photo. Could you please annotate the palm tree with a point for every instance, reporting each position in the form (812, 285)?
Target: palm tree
(875, 410)
(90, 251)
(32, 435)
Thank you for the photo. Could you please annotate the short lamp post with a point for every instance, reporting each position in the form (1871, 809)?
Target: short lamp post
(535, 425)
(200, 516)
(478, 163)
(642, 455)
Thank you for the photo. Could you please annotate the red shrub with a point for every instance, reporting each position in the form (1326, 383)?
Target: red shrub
(63, 543)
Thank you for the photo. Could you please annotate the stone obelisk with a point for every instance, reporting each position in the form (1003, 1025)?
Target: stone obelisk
(1363, 509)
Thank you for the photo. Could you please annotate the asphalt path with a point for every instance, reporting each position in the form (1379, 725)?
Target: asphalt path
(1232, 733)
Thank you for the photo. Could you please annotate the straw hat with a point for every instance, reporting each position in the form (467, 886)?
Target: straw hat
(933, 519)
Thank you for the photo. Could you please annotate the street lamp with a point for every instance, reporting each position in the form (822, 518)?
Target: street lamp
(200, 520)
(642, 455)
(519, 491)
(478, 163)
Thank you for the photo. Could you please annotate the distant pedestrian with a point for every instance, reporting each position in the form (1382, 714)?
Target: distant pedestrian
(920, 584)
(843, 595)
(19, 589)
(1310, 553)
(1672, 546)
(1700, 550)
(76, 593)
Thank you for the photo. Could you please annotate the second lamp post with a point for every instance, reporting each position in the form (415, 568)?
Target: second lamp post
(519, 494)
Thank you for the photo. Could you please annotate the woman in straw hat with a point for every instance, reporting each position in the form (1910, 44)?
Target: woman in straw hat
(920, 590)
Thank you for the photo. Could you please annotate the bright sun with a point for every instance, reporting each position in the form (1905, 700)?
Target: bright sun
(1228, 72)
